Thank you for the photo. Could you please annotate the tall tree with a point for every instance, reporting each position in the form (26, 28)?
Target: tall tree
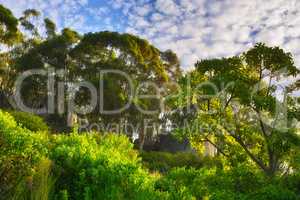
(10, 36)
(9, 32)
(82, 58)
(135, 57)
(50, 27)
(235, 103)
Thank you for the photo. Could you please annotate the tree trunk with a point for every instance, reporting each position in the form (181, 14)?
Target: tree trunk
(141, 140)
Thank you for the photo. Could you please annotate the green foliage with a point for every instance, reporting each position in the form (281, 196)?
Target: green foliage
(238, 183)
(21, 151)
(50, 27)
(164, 161)
(81, 58)
(237, 107)
(87, 166)
(94, 167)
(43, 181)
(273, 192)
(63, 195)
(35, 165)
(26, 22)
(38, 186)
(292, 182)
(30, 121)
(9, 33)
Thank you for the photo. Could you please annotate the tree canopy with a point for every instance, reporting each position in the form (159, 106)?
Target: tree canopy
(234, 104)
(243, 104)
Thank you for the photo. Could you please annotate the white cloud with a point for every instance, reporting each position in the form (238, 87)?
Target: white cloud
(168, 7)
(143, 10)
(194, 29)
(62, 12)
(197, 29)
(157, 17)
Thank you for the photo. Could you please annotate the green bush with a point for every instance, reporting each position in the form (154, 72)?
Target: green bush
(179, 181)
(30, 121)
(100, 167)
(35, 165)
(216, 184)
(292, 182)
(87, 166)
(164, 161)
(21, 151)
(273, 192)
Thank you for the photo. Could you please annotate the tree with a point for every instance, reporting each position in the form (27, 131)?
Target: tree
(27, 24)
(50, 28)
(21, 43)
(10, 36)
(135, 57)
(9, 32)
(236, 104)
(81, 58)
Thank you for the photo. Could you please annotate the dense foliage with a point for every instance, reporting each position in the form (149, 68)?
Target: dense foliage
(30, 121)
(164, 161)
(74, 58)
(94, 166)
(235, 103)
(238, 183)
(87, 166)
(252, 134)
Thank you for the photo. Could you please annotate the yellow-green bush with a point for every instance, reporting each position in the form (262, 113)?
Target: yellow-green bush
(100, 167)
(164, 161)
(30, 121)
(34, 165)
(86, 166)
(237, 183)
(21, 151)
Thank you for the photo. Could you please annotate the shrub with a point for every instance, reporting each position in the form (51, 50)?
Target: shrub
(164, 161)
(273, 192)
(217, 184)
(30, 121)
(292, 182)
(38, 186)
(92, 166)
(100, 167)
(21, 151)
(178, 182)
(87, 166)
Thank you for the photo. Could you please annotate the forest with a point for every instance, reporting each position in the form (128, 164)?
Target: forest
(81, 116)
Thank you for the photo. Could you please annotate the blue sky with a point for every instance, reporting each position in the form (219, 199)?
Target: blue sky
(194, 29)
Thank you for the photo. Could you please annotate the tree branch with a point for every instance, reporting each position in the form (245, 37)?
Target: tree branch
(217, 147)
(248, 152)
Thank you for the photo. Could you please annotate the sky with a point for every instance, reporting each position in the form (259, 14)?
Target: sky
(193, 29)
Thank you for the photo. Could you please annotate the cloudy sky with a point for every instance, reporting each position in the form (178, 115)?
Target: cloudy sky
(194, 29)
